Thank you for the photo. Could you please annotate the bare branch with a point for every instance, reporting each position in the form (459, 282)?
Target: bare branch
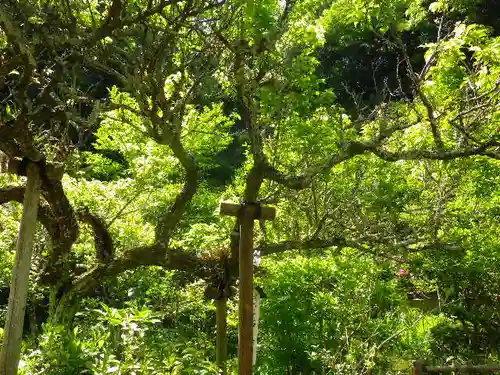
(365, 244)
(473, 109)
(432, 118)
(483, 150)
(124, 207)
(350, 149)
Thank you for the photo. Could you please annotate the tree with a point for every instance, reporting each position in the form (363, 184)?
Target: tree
(168, 86)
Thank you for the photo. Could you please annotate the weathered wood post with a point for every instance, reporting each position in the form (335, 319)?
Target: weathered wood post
(258, 295)
(221, 335)
(247, 213)
(418, 368)
(11, 348)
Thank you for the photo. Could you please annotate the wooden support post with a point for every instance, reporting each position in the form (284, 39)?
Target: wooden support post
(11, 348)
(247, 213)
(246, 292)
(256, 317)
(418, 368)
(221, 339)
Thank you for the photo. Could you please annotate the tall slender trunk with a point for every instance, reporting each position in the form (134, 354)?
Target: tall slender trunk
(11, 348)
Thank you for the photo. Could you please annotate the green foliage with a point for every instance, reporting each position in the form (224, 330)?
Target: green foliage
(353, 113)
(329, 313)
(132, 338)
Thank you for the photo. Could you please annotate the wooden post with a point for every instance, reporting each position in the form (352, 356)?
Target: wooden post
(11, 348)
(221, 338)
(418, 368)
(256, 317)
(247, 213)
(246, 292)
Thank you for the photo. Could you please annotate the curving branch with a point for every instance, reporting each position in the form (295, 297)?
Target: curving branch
(169, 222)
(367, 245)
(489, 149)
(199, 267)
(438, 140)
(56, 213)
(154, 255)
(62, 237)
(67, 225)
(104, 246)
(350, 149)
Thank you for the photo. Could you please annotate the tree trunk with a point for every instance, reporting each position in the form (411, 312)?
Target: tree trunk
(11, 348)
(221, 340)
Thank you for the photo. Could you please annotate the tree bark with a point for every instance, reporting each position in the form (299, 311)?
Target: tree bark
(11, 348)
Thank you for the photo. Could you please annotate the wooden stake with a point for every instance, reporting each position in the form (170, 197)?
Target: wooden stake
(246, 292)
(418, 368)
(256, 317)
(247, 213)
(11, 348)
(221, 339)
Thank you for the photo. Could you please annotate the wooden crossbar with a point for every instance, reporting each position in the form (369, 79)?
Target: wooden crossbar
(246, 212)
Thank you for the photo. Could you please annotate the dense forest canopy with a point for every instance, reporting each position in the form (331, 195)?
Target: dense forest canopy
(372, 126)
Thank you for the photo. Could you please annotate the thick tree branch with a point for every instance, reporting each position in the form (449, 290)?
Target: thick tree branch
(483, 150)
(155, 255)
(365, 244)
(15, 142)
(349, 150)
(62, 226)
(61, 233)
(67, 225)
(102, 238)
(169, 222)
(248, 113)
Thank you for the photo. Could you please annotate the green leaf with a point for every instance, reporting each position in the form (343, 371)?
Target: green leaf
(435, 7)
